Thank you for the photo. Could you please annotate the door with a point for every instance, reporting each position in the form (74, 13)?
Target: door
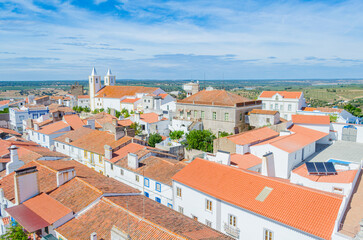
(158, 199)
(349, 133)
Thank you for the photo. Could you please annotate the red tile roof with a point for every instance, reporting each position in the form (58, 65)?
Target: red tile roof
(310, 119)
(284, 94)
(125, 122)
(53, 127)
(150, 117)
(74, 121)
(253, 136)
(122, 152)
(8, 131)
(296, 206)
(215, 97)
(245, 161)
(47, 208)
(130, 100)
(163, 95)
(121, 91)
(83, 96)
(4, 102)
(341, 176)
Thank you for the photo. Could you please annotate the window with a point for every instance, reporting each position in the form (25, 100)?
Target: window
(99, 158)
(157, 199)
(267, 120)
(267, 234)
(170, 205)
(64, 146)
(111, 166)
(195, 113)
(271, 106)
(146, 194)
(188, 114)
(263, 105)
(122, 172)
(226, 116)
(208, 205)
(46, 229)
(85, 154)
(92, 159)
(208, 223)
(240, 116)
(44, 139)
(202, 114)
(289, 107)
(146, 182)
(232, 220)
(181, 210)
(276, 98)
(214, 116)
(137, 178)
(182, 113)
(178, 192)
(281, 107)
(158, 187)
(276, 106)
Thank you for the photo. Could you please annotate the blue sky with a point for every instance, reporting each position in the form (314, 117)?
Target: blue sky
(159, 39)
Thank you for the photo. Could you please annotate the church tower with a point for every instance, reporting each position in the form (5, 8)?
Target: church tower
(94, 82)
(110, 80)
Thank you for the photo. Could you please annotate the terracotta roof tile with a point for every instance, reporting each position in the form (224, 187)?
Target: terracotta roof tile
(290, 204)
(284, 94)
(122, 152)
(125, 122)
(53, 127)
(47, 208)
(130, 100)
(245, 161)
(253, 136)
(214, 97)
(74, 121)
(121, 91)
(83, 96)
(150, 117)
(311, 119)
(74, 134)
(163, 95)
(9, 131)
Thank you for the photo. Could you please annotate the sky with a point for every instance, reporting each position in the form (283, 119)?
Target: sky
(190, 39)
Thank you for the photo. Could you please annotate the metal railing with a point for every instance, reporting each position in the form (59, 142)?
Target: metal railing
(231, 230)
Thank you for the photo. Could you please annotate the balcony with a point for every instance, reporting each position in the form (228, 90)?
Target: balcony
(231, 230)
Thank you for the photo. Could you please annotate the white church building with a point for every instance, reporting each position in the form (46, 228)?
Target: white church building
(110, 95)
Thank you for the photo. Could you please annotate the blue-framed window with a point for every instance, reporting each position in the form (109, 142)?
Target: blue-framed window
(158, 187)
(146, 194)
(43, 138)
(170, 205)
(158, 199)
(146, 182)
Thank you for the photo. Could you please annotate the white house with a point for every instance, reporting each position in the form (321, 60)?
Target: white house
(287, 103)
(289, 149)
(348, 132)
(145, 170)
(131, 104)
(110, 96)
(247, 205)
(83, 101)
(152, 123)
(16, 115)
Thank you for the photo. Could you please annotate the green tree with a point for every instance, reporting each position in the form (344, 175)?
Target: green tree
(200, 140)
(333, 118)
(154, 138)
(14, 232)
(136, 127)
(87, 109)
(224, 134)
(102, 110)
(175, 135)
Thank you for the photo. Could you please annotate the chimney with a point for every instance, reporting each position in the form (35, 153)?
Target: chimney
(223, 157)
(114, 121)
(14, 163)
(119, 132)
(108, 152)
(137, 117)
(25, 184)
(29, 123)
(36, 127)
(132, 160)
(68, 140)
(64, 175)
(268, 166)
(91, 123)
(93, 236)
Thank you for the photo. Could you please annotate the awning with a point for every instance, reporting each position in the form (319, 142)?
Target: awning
(27, 218)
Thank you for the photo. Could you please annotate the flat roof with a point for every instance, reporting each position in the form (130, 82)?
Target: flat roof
(340, 150)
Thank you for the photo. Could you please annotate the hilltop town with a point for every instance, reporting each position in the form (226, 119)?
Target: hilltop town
(138, 162)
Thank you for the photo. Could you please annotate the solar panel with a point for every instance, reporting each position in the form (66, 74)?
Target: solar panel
(311, 168)
(320, 167)
(330, 168)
